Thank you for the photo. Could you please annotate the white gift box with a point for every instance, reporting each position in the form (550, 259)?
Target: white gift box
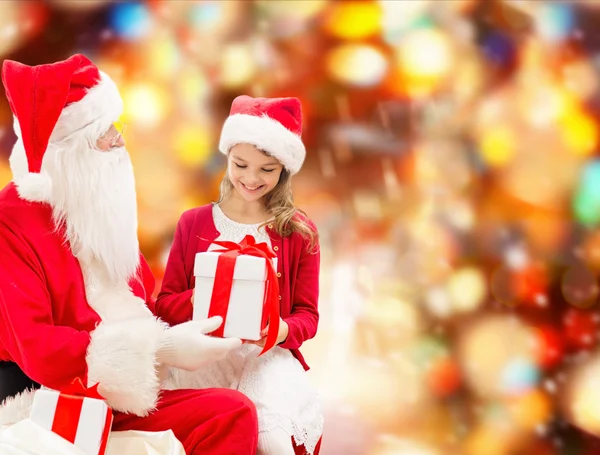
(244, 313)
(85, 422)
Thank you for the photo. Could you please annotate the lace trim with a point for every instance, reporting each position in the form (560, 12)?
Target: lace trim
(303, 436)
(284, 397)
(233, 231)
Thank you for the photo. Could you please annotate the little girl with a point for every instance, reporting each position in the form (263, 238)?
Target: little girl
(261, 139)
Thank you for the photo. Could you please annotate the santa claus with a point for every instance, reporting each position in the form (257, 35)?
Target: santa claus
(75, 292)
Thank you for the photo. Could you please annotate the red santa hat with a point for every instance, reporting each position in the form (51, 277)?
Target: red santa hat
(51, 102)
(273, 125)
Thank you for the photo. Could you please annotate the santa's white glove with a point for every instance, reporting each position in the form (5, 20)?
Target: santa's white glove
(187, 346)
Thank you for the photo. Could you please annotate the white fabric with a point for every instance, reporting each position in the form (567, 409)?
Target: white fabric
(274, 442)
(144, 443)
(28, 438)
(276, 382)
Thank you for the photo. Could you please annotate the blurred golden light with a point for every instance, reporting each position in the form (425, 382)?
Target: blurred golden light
(424, 59)
(193, 83)
(354, 20)
(468, 77)
(485, 353)
(543, 102)
(357, 64)
(158, 208)
(145, 104)
(192, 144)
(303, 9)
(238, 65)
(467, 288)
(113, 67)
(540, 181)
(438, 302)
(580, 78)
(78, 5)
(391, 445)
(383, 394)
(426, 169)
(579, 287)
(530, 410)
(443, 162)
(397, 16)
(591, 250)
(12, 19)
(192, 89)
(5, 175)
(285, 19)
(324, 206)
(162, 58)
(425, 52)
(485, 439)
(190, 201)
(498, 145)
(392, 314)
(462, 215)
(367, 205)
(579, 132)
(581, 402)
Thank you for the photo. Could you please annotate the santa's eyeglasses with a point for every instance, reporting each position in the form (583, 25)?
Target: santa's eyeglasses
(113, 141)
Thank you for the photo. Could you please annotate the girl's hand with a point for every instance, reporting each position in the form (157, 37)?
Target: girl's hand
(284, 330)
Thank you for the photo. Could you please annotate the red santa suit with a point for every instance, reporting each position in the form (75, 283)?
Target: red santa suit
(65, 309)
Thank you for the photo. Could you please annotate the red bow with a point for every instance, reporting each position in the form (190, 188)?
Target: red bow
(224, 280)
(76, 388)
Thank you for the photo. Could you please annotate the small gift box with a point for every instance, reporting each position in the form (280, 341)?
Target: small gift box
(78, 414)
(238, 282)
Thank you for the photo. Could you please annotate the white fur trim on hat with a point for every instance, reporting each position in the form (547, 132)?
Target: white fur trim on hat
(266, 134)
(34, 187)
(102, 105)
(31, 186)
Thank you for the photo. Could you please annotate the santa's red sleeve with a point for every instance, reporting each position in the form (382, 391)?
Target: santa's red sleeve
(119, 355)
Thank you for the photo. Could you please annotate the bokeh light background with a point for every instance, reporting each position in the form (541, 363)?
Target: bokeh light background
(453, 170)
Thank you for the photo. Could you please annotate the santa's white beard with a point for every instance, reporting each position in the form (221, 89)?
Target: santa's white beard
(93, 198)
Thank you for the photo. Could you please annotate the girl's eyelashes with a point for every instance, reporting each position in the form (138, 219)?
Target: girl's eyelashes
(243, 166)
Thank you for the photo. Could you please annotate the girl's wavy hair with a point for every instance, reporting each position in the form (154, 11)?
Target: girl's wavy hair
(279, 202)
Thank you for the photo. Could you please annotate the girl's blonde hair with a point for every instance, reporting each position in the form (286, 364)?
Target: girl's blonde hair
(279, 202)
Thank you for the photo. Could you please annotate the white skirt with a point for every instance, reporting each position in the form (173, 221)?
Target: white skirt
(275, 382)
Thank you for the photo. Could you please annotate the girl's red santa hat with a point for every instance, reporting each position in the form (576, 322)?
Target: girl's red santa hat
(273, 125)
(50, 103)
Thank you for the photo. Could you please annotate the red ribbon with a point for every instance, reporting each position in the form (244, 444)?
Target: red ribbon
(219, 301)
(68, 412)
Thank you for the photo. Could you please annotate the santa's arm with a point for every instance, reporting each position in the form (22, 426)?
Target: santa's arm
(121, 355)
